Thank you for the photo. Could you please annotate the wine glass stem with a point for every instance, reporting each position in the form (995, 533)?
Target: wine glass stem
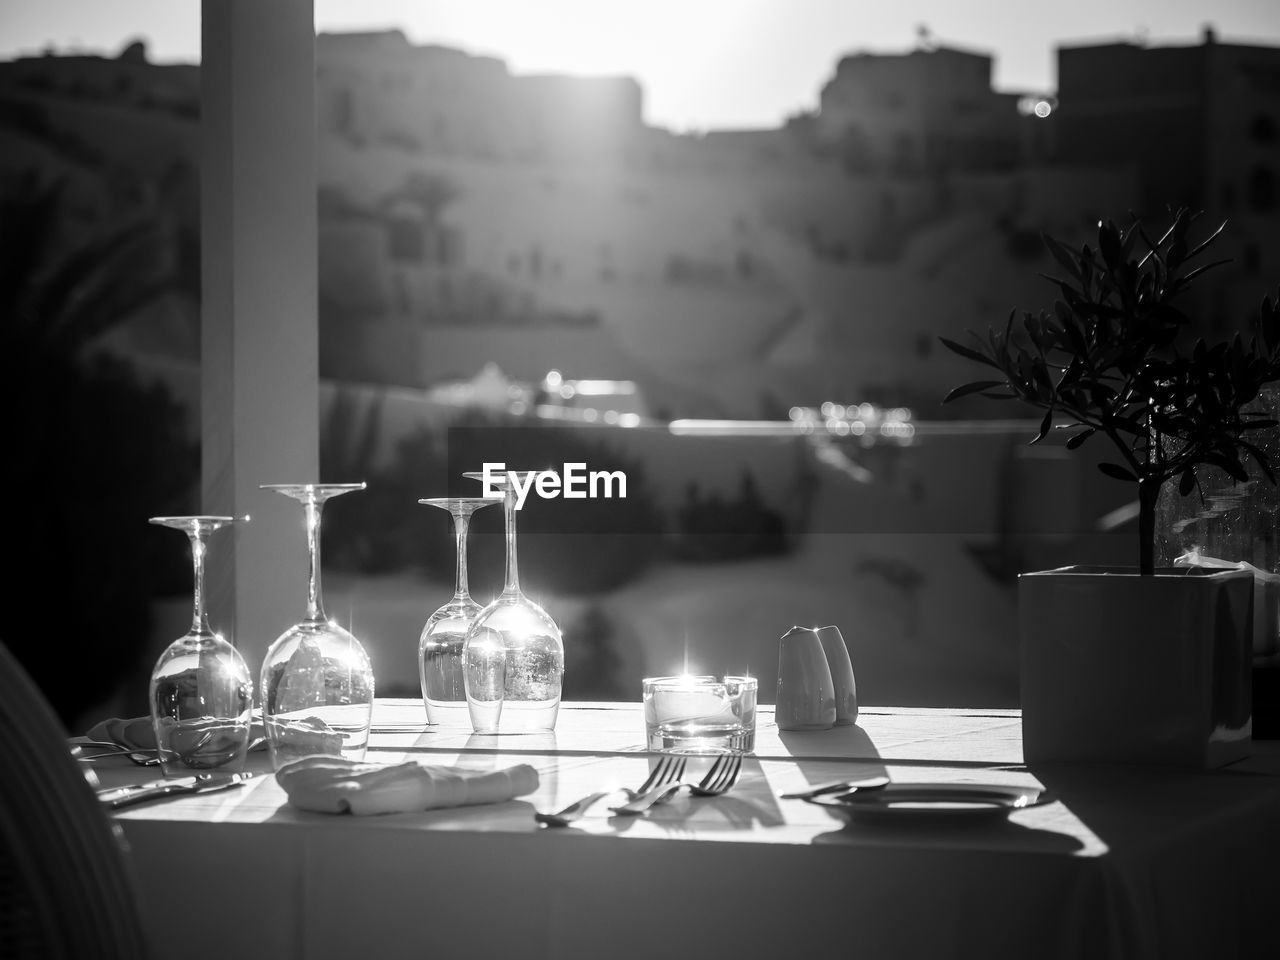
(315, 612)
(199, 616)
(512, 585)
(461, 522)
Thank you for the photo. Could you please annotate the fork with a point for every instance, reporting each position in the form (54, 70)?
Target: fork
(719, 779)
(112, 750)
(669, 768)
(143, 758)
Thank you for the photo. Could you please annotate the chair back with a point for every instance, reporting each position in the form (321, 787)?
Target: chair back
(65, 887)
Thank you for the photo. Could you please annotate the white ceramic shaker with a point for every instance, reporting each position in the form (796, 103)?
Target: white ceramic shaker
(806, 696)
(841, 667)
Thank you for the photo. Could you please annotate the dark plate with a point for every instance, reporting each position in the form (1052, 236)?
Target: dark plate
(933, 802)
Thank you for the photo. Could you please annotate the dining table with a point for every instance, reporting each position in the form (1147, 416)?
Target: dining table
(1124, 861)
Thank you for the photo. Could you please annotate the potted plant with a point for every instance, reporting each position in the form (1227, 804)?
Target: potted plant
(1139, 663)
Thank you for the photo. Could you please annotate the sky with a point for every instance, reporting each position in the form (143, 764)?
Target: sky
(703, 64)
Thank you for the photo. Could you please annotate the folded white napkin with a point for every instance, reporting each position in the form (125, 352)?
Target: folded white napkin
(335, 785)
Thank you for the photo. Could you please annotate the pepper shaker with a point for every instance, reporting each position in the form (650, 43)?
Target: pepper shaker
(841, 666)
(806, 695)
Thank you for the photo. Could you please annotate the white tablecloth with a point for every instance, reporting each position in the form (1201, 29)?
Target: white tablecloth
(1130, 862)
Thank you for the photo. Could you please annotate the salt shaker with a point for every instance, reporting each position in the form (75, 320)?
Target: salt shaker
(806, 696)
(841, 667)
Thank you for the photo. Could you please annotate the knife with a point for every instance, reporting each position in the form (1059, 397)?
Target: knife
(116, 797)
(838, 786)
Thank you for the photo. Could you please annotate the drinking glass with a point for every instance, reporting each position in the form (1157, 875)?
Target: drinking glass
(201, 691)
(688, 714)
(317, 685)
(513, 655)
(440, 646)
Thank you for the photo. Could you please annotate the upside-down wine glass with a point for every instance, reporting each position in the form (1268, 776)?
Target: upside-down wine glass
(513, 656)
(201, 691)
(317, 684)
(440, 645)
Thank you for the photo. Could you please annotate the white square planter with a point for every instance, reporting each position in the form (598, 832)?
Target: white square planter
(1116, 667)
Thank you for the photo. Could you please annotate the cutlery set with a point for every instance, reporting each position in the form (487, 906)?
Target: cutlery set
(664, 783)
(661, 786)
(107, 750)
(128, 795)
(718, 780)
(669, 769)
(116, 797)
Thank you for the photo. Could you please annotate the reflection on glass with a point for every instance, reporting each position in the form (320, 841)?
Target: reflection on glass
(513, 656)
(1227, 519)
(201, 693)
(317, 684)
(440, 646)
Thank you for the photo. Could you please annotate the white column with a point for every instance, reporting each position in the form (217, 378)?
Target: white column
(259, 407)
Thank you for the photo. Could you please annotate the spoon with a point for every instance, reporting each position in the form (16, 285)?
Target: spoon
(838, 786)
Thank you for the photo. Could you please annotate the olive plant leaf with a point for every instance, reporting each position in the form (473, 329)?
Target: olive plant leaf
(968, 352)
(1077, 440)
(1045, 425)
(1117, 472)
(1188, 277)
(1204, 244)
(978, 386)
(1061, 254)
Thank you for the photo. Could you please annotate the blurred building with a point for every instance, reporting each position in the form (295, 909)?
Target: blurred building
(128, 79)
(379, 88)
(1200, 124)
(929, 110)
(468, 214)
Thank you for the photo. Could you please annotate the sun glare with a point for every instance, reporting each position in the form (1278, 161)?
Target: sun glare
(679, 51)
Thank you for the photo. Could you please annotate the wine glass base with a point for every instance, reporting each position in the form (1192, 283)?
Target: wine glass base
(447, 713)
(207, 743)
(514, 716)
